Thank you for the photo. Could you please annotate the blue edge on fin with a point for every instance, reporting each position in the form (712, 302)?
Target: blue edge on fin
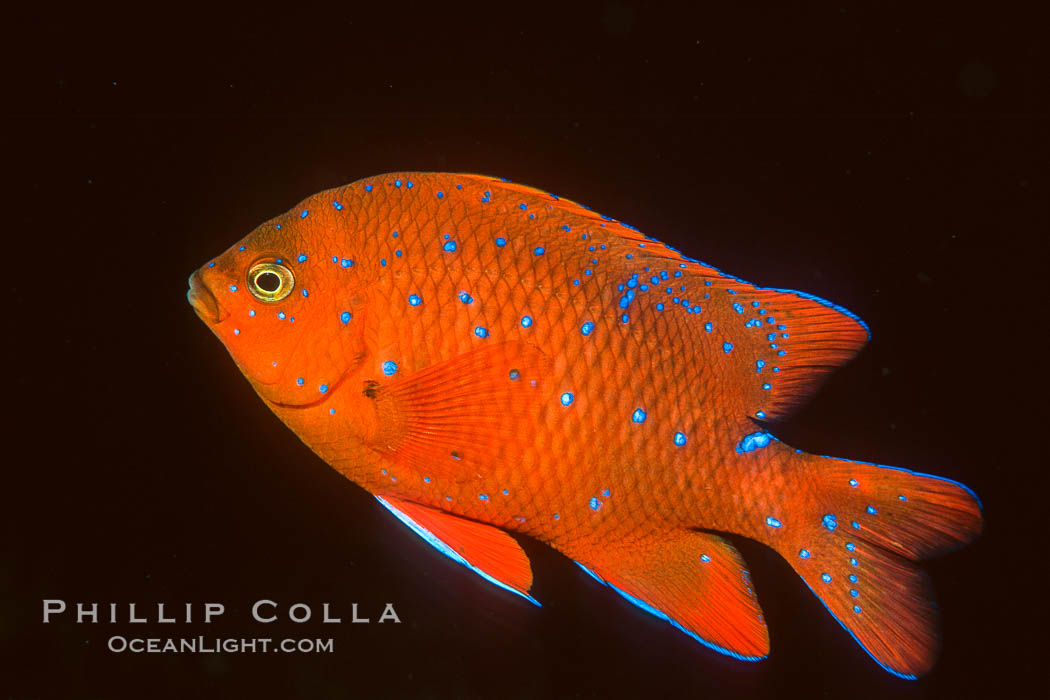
(964, 487)
(653, 611)
(663, 616)
(905, 676)
(449, 552)
(804, 295)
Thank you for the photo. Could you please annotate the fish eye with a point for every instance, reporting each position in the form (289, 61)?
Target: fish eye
(270, 281)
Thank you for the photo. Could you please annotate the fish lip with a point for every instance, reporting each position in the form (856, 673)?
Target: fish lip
(203, 301)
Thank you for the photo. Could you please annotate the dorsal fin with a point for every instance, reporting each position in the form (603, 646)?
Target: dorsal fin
(789, 340)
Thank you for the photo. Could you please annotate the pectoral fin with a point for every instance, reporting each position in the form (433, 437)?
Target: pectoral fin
(462, 417)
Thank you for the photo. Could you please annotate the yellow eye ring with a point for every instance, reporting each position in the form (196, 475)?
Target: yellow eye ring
(270, 282)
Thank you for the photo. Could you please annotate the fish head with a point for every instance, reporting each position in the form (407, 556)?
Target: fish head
(291, 321)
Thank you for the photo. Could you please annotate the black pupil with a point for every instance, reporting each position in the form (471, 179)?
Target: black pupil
(268, 281)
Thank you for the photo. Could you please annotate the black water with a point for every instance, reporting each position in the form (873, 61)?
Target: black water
(893, 162)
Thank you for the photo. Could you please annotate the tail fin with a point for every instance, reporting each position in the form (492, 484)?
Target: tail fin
(863, 528)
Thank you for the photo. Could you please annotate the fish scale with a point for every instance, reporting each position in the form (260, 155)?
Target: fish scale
(486, 357)
(512, 265)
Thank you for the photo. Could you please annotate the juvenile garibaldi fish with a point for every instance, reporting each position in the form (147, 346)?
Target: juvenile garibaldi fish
(487, 358)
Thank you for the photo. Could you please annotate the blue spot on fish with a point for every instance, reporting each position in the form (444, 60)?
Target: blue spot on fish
(830, 522)
(638, 416)
(389, 368)
(773, 522)
(679, 439)
(586, 328)
(566, 399)
(754, 441)
(450, 246)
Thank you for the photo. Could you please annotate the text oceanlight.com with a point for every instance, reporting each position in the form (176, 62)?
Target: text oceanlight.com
(218, 645)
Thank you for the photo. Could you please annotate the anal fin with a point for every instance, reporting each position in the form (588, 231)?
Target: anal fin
(695, 581)
(487, 551)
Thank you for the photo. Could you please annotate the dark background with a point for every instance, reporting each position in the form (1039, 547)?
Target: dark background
(893, 161)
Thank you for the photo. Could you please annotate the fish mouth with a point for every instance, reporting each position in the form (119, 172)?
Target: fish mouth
(202, 300)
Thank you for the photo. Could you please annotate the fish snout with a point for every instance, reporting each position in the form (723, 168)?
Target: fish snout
(202, 300)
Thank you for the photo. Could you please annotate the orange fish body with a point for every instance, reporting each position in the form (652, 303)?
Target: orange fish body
(484, 357)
